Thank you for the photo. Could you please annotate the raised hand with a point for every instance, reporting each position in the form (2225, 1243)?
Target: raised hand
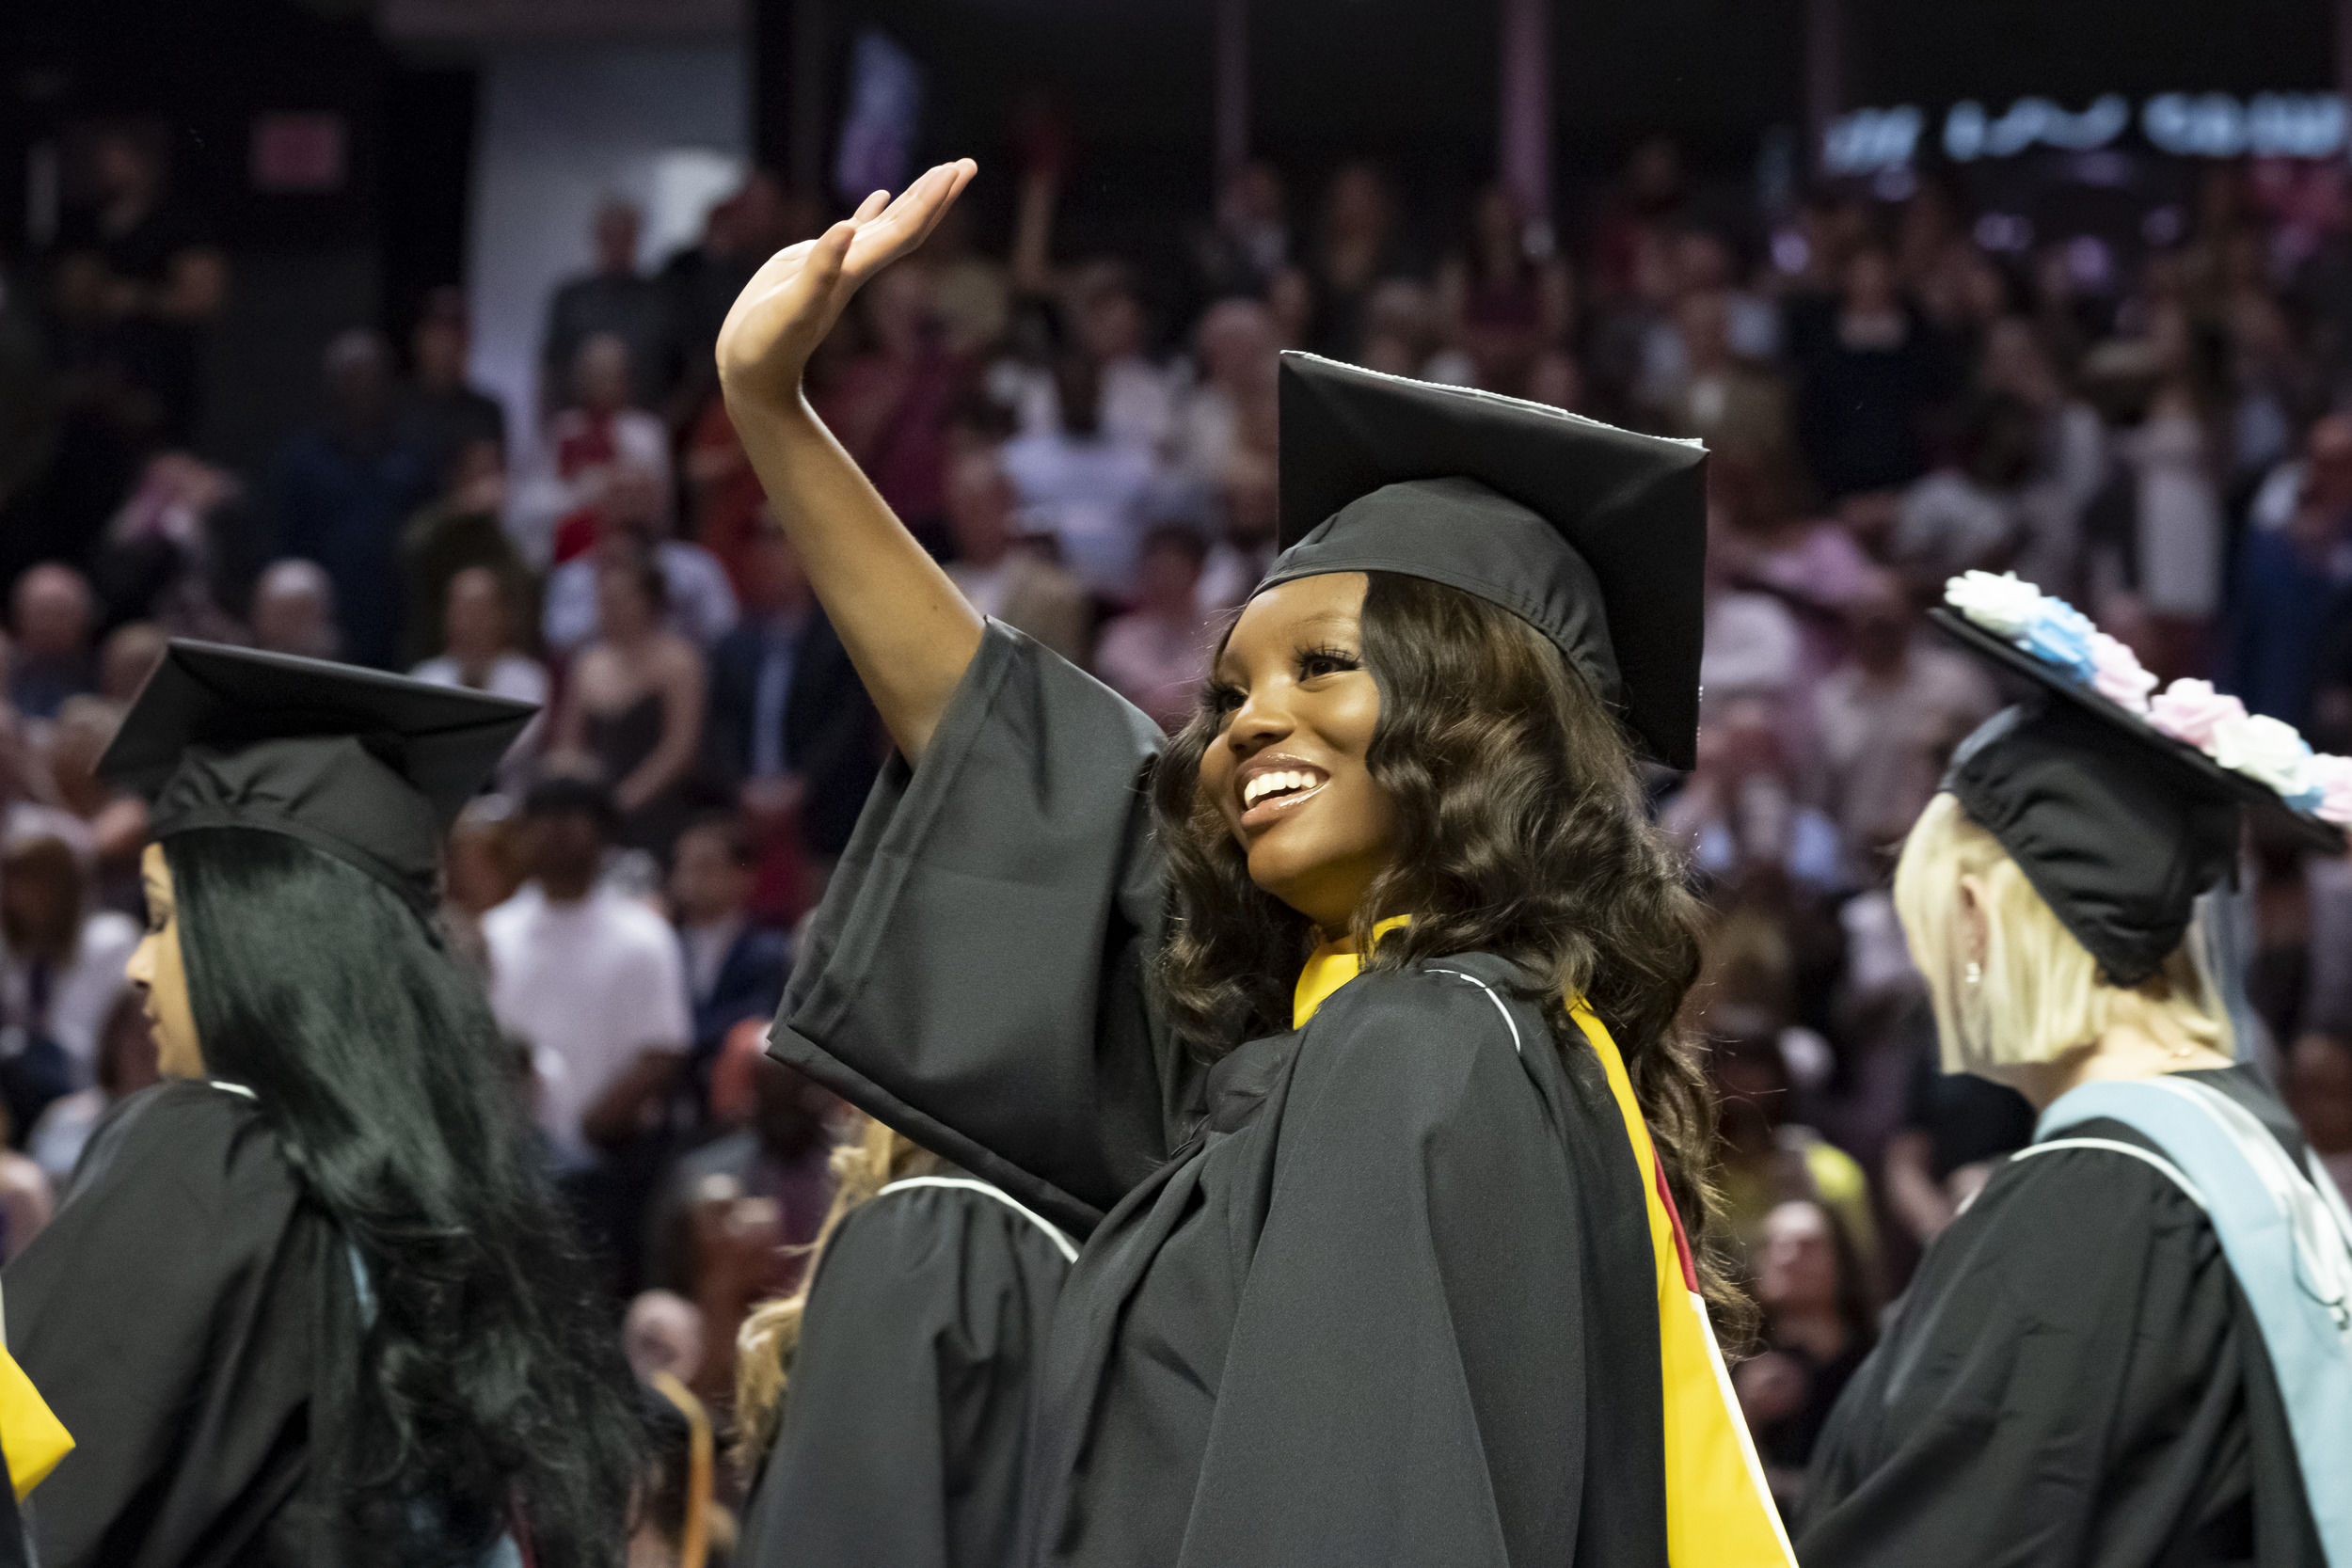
(789, 304)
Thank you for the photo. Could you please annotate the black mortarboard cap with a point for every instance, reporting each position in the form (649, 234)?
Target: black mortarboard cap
(2117, 836)
(367, 767)
(1596, 537)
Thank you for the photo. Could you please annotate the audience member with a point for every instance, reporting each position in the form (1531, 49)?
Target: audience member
(2158, 542)
(125, 1064)
(1003, 575)
(1157, 655)
(1356, 250)
(699, 604)
(1082, 486)
(589, 979)
(1869, 370)
(1230, 404)
(1249, 243)
(1249, 516)
(735, 967)
(51, 618)
(2286, 640)
(634, 704)
(1886, 721)
(60, 972)
(593, 443)
(889, 403)
(1503, 301)
(479, 654)
(463, 527)
(294, 610)
(339, 493)
(483, 865)
(115, 818)
(442, 414)
(127, 658)
(1819, 1321)
(792, 735)
(617, 302)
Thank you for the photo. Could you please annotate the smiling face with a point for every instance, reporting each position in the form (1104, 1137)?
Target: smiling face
(1287, 770)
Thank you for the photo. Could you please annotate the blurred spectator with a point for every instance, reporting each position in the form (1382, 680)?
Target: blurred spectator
(594, 442)
(971, 292)
(1356, 250)
(125, 1064)
(127, 658)
(1087, 489)
(184, 544)
(2155, 540)
(1742, 813)
(1247, 245)
(479, 654)
(1868, 369)
(26, 1201)
(698, 603)
(462, 528)
(116, 818)
(1819, 1321)
(294, 610)
(339, 493)
(1249, 510)
(735, 969)
(778, 1167)
(1715, 395)
(1135, 399)
(1004, 575)
(2287, 638)
(1502, 303)
(1955, 1128)
(724, 496)
(634, 704)
(51, 616)
(1636, 213)
(702, 280)
(442, 414)
(482, 867)
(792, 735)
(1231, 404)
(1769, 1156)
(138, 278)
(1887, 720)
(587, 977)
(59, 974)
(889, 404)
(614, 301)
(1157, 655)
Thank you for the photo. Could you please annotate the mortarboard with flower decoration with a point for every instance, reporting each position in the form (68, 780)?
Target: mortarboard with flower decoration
(2260, 759)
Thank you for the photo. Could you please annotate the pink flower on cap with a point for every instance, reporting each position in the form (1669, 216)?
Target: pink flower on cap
(2332, 777)
(2189, 710)
(2118, 675)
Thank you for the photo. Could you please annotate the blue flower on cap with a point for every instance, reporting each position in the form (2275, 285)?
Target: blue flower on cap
(2057, 633)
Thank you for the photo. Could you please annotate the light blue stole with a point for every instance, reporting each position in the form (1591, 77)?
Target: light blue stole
(2288, 1239)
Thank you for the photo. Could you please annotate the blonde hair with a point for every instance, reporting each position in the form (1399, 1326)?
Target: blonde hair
(871, 1159)
(2040, 993)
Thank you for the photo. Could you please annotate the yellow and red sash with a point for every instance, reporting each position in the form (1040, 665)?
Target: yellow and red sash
(1719, 1512)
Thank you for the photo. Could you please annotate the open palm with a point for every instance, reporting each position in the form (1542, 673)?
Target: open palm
(793, 300)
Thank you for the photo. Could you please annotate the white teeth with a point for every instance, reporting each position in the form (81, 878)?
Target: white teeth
(1264, 785)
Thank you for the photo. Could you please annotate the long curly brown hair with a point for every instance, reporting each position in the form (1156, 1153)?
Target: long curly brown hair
(1523, 832)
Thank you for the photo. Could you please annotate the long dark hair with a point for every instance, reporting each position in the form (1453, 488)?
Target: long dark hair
(491, 1387)
(1521, 831)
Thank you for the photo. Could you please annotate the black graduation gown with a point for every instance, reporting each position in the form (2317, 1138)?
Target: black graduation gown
(1376, 1290)
(2074, 1380)
(182, 1315)
(907, 1418)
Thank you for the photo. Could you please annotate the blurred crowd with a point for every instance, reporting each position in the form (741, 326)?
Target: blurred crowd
(1089, 442)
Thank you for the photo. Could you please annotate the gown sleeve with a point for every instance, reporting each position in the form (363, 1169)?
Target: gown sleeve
(1406, 1381)
(2066, 1386)
(906, 1419)
(168, 1314)
(976, 977)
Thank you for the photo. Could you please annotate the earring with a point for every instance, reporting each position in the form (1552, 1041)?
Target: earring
(1974, 973)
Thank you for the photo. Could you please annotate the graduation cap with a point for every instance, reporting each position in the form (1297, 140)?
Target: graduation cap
(367, 767)
(2119, 826)
(1596, 537)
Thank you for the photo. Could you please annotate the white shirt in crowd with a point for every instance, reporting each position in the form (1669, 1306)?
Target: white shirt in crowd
(78, 996)
(587, 986)
(702, 601)
(515, 675)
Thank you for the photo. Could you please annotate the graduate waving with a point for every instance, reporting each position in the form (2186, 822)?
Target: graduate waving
(1342, 1024)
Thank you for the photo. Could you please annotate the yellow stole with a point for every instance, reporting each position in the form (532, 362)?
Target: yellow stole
(30, 1435)
(1719, 1511)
